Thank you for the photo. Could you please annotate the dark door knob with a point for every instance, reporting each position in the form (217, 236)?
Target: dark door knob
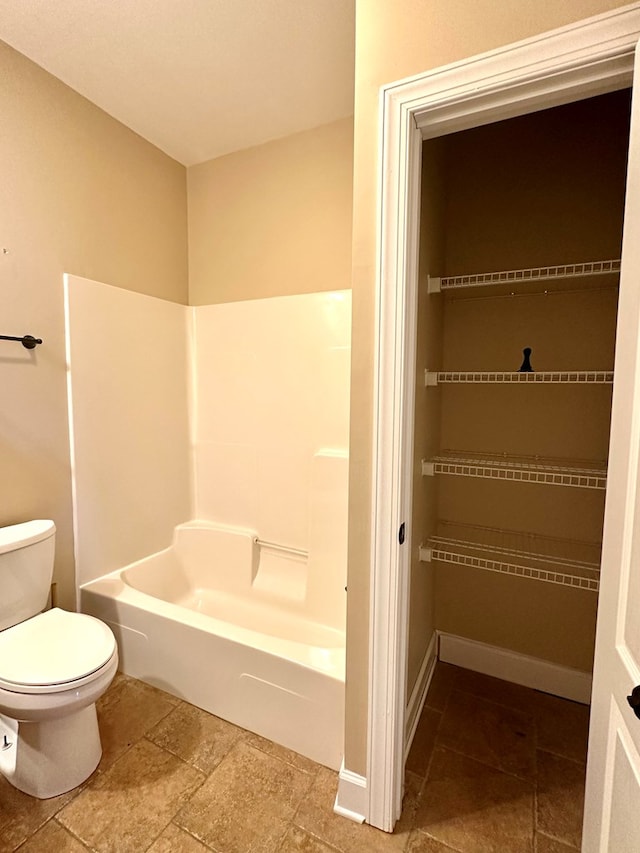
(634, 701)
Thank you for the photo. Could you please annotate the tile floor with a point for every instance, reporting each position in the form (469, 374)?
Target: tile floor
(493, 768)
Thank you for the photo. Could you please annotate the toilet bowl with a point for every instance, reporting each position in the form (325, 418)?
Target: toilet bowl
(53, 668)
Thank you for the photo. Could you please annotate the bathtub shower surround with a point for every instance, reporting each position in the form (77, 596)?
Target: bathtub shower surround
(242, 611)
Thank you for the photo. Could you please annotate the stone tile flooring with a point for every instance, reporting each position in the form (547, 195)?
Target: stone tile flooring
(494, 768)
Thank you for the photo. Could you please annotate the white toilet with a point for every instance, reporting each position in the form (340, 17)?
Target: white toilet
(53, 667)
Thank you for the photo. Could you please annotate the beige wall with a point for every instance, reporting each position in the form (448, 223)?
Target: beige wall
(394, 40)
(273, 220)
(81, 194)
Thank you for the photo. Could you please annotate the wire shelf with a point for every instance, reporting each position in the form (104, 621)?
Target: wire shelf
(519, 469)
(533, 274)
(558, 561)
(552, 377)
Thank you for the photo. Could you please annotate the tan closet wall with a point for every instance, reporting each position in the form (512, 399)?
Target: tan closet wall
(542, 189)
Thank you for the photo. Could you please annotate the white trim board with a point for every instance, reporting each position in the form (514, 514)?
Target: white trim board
(589, 57)
(419, 693)
(511, 666)
(352, 797)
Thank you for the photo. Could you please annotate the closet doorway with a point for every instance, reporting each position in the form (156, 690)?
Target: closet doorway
(569, 65)
(517, 313)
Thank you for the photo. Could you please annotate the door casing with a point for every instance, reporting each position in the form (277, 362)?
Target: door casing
(581, 60)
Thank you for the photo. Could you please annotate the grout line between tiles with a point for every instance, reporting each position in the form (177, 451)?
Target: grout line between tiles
(437, 840)
(527, 779)
(151, 843)
(44, 822)
(190, 834)
(507, 706)
(430, 761)
(491, 701)
(77, 837)
(213, 849)
(247, 739)
(302, 799)
(317, 837)
(37, 829)
(204, 843)
(558, 840)
(564, 757)
(282, 837)
(184, 761)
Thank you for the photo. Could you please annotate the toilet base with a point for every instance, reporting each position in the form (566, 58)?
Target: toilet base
(49, 757)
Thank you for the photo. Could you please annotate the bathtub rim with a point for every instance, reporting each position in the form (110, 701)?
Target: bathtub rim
(112, 586)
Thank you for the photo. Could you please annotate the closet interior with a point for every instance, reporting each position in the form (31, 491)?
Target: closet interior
(521, 225)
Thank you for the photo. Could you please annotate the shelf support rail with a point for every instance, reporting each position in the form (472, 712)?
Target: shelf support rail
(436, 284)
(495, 377)
(427, 555)
(515, 472)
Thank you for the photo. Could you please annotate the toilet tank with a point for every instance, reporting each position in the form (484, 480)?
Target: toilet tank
(26, 569)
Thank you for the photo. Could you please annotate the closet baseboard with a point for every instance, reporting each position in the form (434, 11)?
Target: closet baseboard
(522, 669)
(419, 693)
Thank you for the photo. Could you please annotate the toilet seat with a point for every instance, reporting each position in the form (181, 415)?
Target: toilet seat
(54, 651)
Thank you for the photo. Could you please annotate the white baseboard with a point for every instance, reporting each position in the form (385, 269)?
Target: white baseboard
(352, 799)
(532, 672)
(419, 693)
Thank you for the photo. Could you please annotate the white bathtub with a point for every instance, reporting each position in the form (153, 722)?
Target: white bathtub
(227, 624)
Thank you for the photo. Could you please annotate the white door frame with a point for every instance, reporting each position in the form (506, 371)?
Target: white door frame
(577, 61)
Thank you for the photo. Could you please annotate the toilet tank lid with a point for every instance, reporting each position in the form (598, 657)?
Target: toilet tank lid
(27, 533)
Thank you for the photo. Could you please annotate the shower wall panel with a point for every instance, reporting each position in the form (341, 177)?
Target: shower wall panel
(128, 414)
(271, 414)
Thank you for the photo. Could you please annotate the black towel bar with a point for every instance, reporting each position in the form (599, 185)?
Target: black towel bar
(27, 341)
